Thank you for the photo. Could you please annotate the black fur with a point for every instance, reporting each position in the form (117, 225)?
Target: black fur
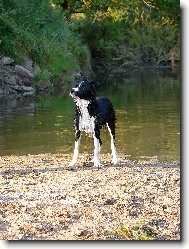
(99, 110)
(102, 109)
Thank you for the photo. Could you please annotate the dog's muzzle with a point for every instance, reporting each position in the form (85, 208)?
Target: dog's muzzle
(73, 92)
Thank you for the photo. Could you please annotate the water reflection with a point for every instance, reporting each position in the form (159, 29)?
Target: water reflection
(148, 120)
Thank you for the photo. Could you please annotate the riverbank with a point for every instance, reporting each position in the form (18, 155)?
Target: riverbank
(61, 38)
(20, 82)
(42, 200)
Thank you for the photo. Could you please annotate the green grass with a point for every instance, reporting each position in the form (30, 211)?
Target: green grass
(134, 232)
(34, 30)
(140, 232)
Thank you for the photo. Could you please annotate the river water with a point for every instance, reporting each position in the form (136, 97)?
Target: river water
(147, 106)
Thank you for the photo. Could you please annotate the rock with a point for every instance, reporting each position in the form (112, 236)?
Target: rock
(149, 230)
(24, 89)
(158, 223)
(23, 72)
(31, 66)
(84, 233)
(127, 65)
(11, 80)
(110, 201)
(28, 64)
(1, 92)
(6, 60)
(28, 89)
(2, 226)
(134, 213)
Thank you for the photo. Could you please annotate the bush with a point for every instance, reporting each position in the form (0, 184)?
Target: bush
(33, 29)
(132, 33)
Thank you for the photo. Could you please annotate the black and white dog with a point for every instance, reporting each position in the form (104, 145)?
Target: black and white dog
(91, 115)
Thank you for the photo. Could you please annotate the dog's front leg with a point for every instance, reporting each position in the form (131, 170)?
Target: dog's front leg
(76, 149)
(96, 160)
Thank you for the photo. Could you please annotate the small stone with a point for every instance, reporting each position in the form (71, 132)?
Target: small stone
(149, 230)
(28, 89)
(110, 201)
(11, 80)
(84, 233)
(24, 89)
(1, 92)
(134, 213)
(23, 72)
(6, 60)
(158, 223)
(2, 226)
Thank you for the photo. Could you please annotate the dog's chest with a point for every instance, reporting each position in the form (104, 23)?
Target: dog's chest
(86, 121)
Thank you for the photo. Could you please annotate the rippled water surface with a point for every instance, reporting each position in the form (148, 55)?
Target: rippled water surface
(147, 107)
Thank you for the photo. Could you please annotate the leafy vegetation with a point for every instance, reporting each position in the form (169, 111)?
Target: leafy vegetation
(140, 32)
(61, 36)
(138, 232)
(33, 29)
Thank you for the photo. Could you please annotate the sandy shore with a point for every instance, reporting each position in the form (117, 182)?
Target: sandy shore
(41, 199)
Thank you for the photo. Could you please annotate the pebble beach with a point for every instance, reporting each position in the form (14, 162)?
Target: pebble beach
(43, 199)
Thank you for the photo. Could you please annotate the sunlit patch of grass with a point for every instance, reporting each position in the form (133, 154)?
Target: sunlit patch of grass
(78, 16)
(134, 232)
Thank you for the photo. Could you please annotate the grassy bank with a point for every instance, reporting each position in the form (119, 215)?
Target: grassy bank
(62, 37)
(34, 30)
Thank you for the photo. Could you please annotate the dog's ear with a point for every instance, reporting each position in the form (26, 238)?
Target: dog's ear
(95, 85)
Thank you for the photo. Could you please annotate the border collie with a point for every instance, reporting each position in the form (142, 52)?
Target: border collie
(91, 115)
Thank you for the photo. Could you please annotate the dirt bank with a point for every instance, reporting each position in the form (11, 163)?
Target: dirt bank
(42, 200)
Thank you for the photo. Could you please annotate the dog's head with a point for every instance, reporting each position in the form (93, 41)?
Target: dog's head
(84, 89)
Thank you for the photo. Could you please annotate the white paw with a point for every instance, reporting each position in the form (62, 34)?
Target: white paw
(72, 163)
(98, 164)
(115, 160)
(72, 167)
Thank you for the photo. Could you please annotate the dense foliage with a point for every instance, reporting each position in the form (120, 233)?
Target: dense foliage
(141, 32)
(33, 29)
(61, 35)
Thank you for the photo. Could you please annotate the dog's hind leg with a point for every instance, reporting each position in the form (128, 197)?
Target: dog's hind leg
(111, 129)
(76, 149)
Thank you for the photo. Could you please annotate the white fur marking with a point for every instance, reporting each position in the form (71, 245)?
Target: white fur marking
(76, 153)
(75, 89)
(86, 122)
(96, 159)
(113, 148)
